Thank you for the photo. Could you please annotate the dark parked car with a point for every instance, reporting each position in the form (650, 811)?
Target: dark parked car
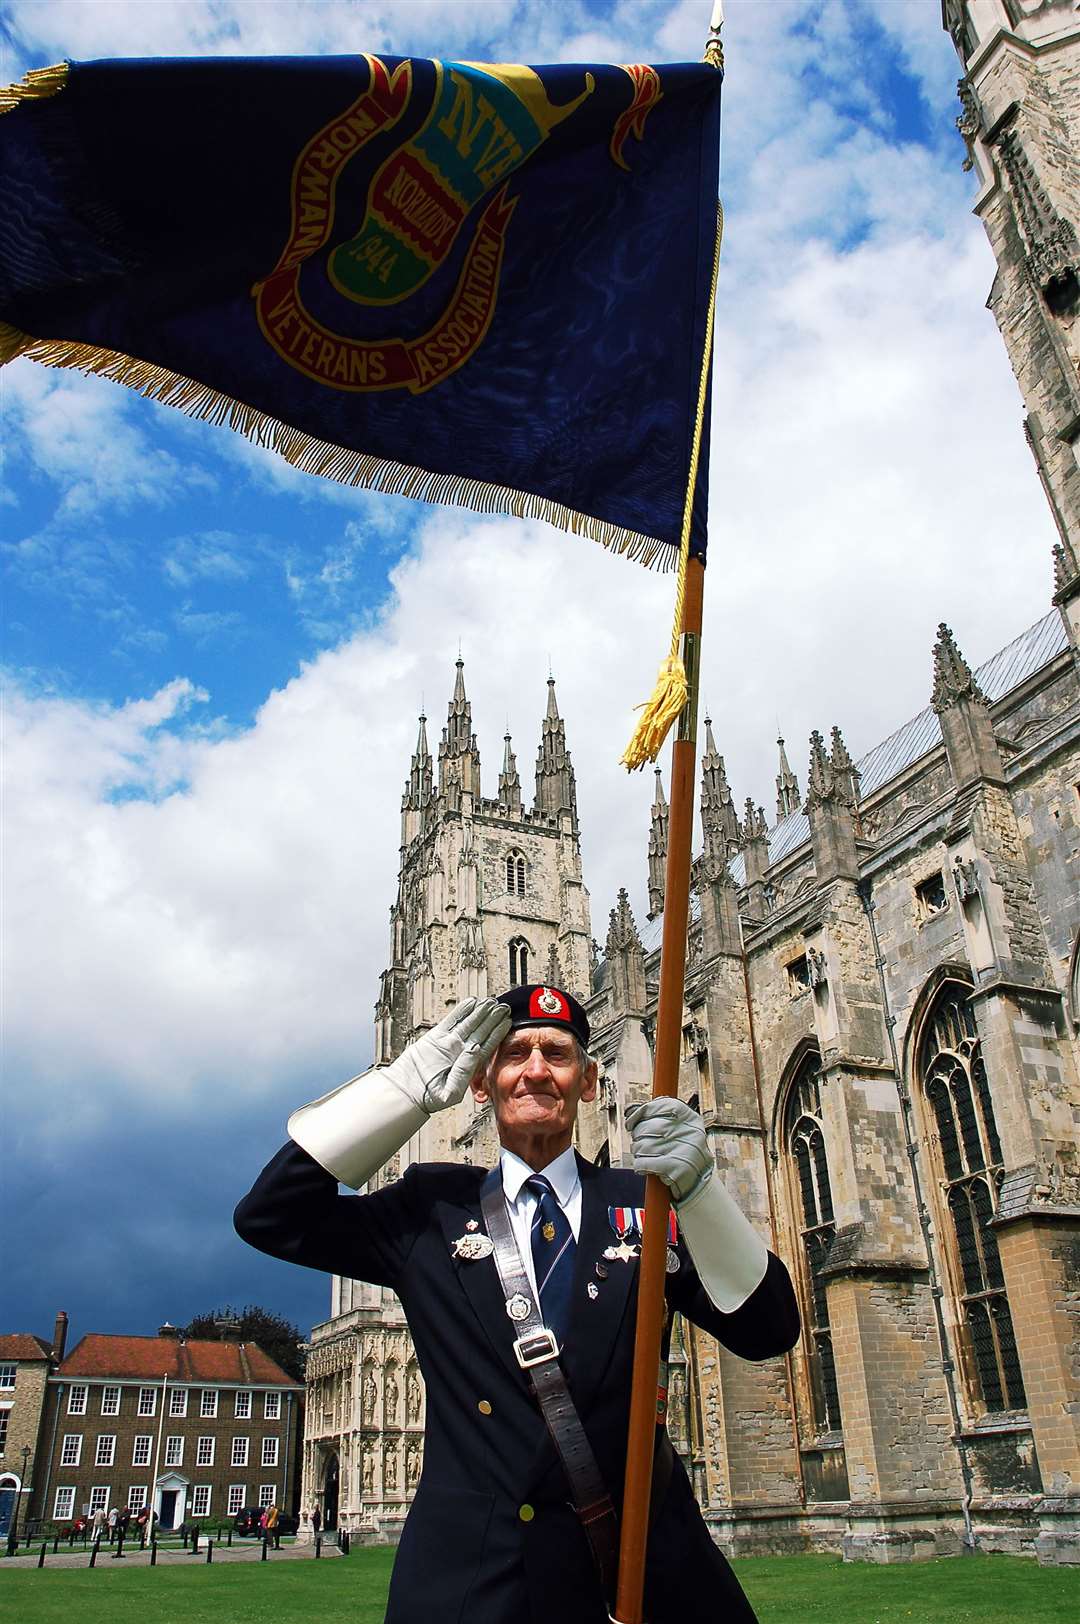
(248, 1519)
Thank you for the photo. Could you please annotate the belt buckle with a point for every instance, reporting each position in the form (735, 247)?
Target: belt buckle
(535, 1349)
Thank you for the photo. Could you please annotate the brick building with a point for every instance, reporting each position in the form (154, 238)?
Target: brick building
(25, 1362)
(881, 1023)
(197, 1428)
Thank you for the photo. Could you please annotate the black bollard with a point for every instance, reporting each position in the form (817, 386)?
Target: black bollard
(318, 1546)
(41, 1557)
(209, 1551)
(55, 1544)
(153, 1552)
(183, 1535)
(263, 1556)
(230, 1539)
(118, 1554)
(93, 1554)
(194, 1542)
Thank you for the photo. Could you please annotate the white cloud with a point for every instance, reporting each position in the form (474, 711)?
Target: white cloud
(204, 908)
(82, 436)
(83, 31)
(208, 626)
(211, 555)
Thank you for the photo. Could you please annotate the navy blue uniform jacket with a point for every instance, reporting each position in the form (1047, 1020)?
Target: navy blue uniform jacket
(466, 1554)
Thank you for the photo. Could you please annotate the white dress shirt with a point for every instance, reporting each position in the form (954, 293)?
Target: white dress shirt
(562, 1175)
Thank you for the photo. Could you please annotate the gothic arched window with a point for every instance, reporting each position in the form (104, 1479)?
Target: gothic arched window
(804, 1140)
(519, 961)
(516, 874)
(968, 1153)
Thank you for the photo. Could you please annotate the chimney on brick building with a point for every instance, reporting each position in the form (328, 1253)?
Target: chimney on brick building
(59, 1337)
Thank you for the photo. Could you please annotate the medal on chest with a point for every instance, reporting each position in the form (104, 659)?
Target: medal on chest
(470, 1248)
(628, 1223)
(623, 1253)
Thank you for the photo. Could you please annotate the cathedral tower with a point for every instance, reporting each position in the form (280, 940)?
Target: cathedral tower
(1020, 119)
(489, 894)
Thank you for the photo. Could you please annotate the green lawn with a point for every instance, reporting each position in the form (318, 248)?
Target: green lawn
(784, 1590)
(963, 1590)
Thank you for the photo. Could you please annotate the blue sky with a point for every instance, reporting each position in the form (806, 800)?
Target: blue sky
(214, 663)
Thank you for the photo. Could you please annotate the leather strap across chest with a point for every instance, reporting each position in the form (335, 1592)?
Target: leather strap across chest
(538, 1355)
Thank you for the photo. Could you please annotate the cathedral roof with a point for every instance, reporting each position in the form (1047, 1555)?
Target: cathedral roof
(1001, 673)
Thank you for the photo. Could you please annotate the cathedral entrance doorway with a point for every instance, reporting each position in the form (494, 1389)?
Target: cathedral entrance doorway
(330, 1493)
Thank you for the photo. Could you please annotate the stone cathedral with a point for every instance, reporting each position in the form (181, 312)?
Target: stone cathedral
(882, 1013)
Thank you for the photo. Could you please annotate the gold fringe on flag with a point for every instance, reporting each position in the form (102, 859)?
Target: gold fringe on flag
(37, 84)
(314, 456)
(663, 706)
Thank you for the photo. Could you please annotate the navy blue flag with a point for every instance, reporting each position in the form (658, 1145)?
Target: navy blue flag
(475, 284)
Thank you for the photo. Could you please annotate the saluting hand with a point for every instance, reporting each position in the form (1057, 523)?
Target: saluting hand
(436, 1069)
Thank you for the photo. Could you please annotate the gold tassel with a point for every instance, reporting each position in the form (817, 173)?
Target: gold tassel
(659, 711)
(36, 84)
(669, 696)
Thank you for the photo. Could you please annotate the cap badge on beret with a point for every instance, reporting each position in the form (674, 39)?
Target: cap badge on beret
(534, 1005)
(546, 1001)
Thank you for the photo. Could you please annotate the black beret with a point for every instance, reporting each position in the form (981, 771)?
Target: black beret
(532, 1005)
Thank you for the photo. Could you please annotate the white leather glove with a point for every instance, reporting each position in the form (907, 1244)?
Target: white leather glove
(435, 1071)
(669, 1139)
(356, 1128)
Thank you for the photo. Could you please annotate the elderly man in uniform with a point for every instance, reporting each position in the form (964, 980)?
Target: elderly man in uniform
(520, 1289)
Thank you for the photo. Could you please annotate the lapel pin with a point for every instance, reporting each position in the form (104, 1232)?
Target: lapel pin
(601, 1271)
(592, 1290)
(472, 1225)
(470, 1248)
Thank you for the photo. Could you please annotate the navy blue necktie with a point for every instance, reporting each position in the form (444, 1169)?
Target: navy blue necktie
(553, 1248)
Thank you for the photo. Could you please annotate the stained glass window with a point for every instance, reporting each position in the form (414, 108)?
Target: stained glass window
(968, 1148)
(805, 1140)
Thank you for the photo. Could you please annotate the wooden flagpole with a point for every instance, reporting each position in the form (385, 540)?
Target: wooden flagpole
(652, 1266)
(653, 1260)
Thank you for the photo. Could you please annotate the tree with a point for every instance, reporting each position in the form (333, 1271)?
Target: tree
(276, 1336)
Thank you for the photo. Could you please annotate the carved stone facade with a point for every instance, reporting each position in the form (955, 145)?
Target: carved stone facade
(879, 1030)
(881, 1024)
